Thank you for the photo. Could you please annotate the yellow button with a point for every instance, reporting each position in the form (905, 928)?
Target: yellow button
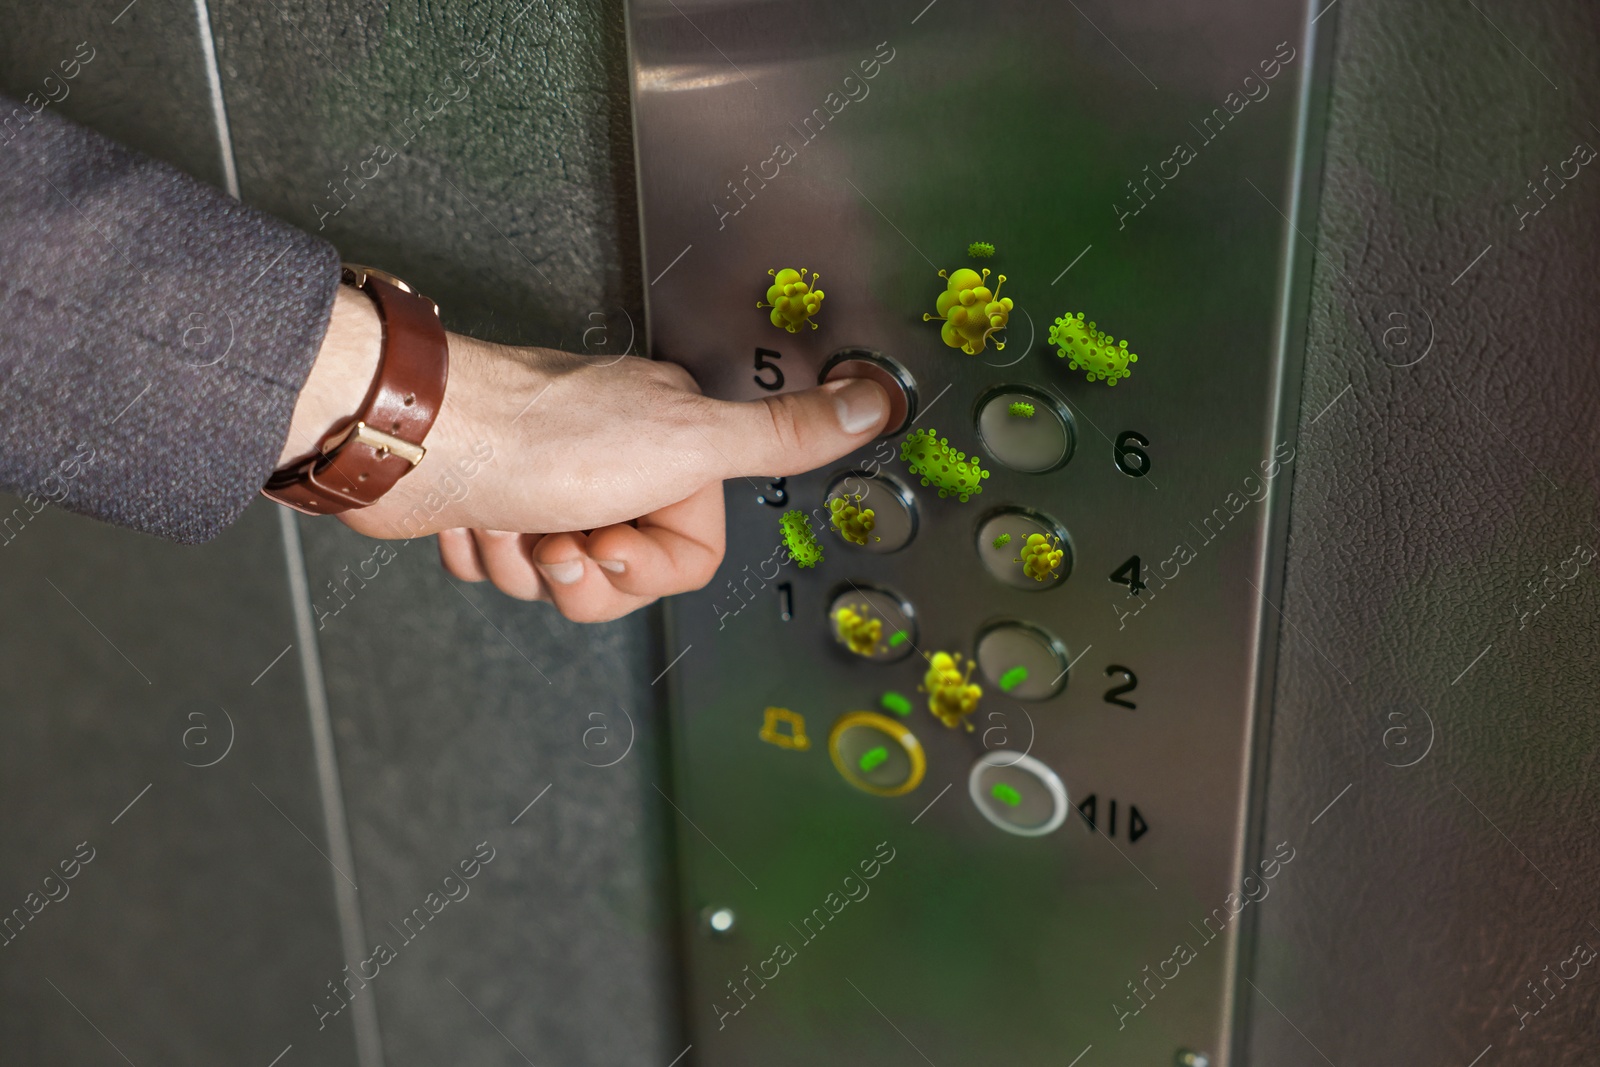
(876, 754)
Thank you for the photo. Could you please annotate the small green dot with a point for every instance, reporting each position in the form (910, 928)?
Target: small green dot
(1006, 795)
(898, 639)
(1013, 678)
(896, 703)
(872, 757)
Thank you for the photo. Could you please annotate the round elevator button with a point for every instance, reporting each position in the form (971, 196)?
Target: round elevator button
(872, 622)
(894, 515)
(1003, 538)
(895, 380)
(1022, 660)
(1024, 429)
(876, 754)
(1017, 793)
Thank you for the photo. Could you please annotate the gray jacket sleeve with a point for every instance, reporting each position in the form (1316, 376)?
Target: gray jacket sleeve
(154, 332)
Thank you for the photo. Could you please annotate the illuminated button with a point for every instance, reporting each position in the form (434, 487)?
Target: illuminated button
(1024, 429)
(1003, 534)
(876, 754)
(1022, 660)
(872, 622)
(894, 516)
(1017, 793)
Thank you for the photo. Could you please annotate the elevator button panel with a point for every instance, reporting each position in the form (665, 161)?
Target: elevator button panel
(1086, 364)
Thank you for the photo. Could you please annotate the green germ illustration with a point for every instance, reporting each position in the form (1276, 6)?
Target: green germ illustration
(1002, 541)
(1013, 678)
(896, 703)
(872, 757)
(1040, 556)
(1005, 794)
(931, 458)
(798, 538)
(853, 521)
(970, 311)
(898, 638)
(793, 298)
(1020, 409)
(1091, 350)
(980, 250)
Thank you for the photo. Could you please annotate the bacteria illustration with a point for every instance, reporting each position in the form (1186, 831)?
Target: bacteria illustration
(980, 250)
(1089, 349)
(1040, 556)
(951, 694)
(971, 312)
(793, 298)
(931, 458)
(798, 538)
(856, 630)
(1020, 409)
(853, 522)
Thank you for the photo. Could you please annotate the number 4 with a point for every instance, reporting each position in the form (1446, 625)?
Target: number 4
(1130, 574)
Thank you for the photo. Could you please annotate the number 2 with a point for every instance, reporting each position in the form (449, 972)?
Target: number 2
(1114, 694)
(777, 371)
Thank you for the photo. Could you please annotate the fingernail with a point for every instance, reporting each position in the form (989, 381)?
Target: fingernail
(860, 405)
(615, 566)
(563, 573)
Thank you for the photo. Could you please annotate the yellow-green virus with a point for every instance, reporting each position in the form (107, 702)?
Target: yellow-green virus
(1002, 541)
(858, 632)
(1088, 349)
(799, 539)
(792, 298)
(853, 522)
(1041, 556)
(931, 458)
(980, 250)
(951, 694)
(971, 313)
(1020, 409)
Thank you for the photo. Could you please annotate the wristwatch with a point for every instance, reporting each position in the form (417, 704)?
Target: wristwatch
(364, 456)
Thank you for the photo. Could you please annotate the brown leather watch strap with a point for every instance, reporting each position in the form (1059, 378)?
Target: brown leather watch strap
(366, 455)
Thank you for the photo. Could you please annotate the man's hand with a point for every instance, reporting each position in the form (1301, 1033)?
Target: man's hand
(595, 487)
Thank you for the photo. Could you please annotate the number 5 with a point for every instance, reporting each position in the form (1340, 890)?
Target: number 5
(777, 371)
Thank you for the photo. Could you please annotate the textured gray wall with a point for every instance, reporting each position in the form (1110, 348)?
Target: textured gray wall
(1430, 504)
(206, 935)
(204, 925)
(454, 706)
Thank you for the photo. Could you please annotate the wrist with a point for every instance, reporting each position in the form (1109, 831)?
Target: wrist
(341, 376)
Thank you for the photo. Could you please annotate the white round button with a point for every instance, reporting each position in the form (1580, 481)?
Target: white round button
(894, 516)
(1003, 535)
(1022, 660)
(872, 622)
(1024, 429)
(1017, 793)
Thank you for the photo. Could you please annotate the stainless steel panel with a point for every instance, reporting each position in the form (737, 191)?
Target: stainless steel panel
(871, 143)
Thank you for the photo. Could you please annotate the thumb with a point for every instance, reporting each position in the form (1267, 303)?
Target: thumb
(792, 433)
